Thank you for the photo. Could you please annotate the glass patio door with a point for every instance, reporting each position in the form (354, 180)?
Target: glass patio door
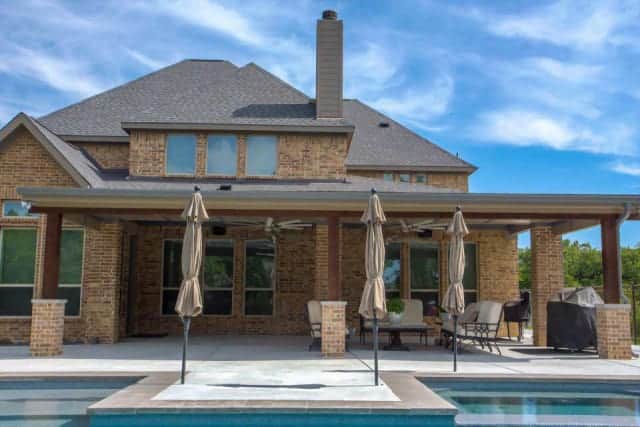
(424, 262)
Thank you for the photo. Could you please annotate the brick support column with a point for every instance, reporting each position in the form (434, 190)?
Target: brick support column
(47, 327)
(333, 328)
(614, 331)
(321, 282)
(547, 277)
(333, 257)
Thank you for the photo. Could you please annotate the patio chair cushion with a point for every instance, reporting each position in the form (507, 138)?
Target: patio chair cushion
(470, 315)
(411, 318)
(489, 313)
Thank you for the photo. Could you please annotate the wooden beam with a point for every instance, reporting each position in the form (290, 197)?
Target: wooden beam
(610, 254)
(569, 226)
(51, 265)
(335, 288)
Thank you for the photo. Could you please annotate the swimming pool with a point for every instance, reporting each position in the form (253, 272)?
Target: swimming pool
(541, 402)
(53, 402)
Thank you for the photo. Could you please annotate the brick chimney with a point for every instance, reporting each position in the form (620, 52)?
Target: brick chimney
(329, 66)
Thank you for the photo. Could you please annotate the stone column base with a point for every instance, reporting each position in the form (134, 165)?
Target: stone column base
(47, 327)
(333, 328)
(613, 325)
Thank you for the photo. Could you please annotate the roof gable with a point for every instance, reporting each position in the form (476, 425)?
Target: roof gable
(72, 160)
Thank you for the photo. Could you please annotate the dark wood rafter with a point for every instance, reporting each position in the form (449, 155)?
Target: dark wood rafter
(335, 291)
(51, 265)
(610, 254)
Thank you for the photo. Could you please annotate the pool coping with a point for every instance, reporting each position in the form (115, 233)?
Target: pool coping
(415, 399)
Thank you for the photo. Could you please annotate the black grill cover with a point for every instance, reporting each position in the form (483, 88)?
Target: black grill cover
(518, 311)
(570, 326)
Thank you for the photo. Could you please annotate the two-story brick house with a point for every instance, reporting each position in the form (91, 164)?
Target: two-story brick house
(285, 178)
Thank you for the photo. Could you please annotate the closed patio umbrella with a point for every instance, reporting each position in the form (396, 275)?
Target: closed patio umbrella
(189, 302)
(453, 301)
(373, 304)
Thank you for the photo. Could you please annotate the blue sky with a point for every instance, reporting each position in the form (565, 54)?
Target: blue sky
(543, 96)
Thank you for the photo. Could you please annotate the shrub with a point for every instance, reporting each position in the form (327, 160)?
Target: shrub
(395, 305)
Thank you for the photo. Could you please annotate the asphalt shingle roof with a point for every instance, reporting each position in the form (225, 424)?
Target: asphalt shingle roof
(218, 92)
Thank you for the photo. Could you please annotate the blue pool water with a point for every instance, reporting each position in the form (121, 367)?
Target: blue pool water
(491, 402)
(53, 402)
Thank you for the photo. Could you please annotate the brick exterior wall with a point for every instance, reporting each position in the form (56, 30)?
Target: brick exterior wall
(321, 253)
(547, 277)
(295, 276)
(456, 181)
(107, 155)
(101, 279)
(613, 325)
(497, 268)
(299, 156)
(333, 328)
(47, 327)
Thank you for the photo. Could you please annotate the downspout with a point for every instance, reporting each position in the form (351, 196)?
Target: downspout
(625, 216)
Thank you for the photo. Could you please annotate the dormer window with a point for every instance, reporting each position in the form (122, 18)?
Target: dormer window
(221, 155)
(181, 154)
(262, 155)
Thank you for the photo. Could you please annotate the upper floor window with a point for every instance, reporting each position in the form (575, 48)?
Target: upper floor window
(221, 155)
(262, 155)
(404, 177)
(421, 178)
(16, 208)
(181, 154)
(388, 176)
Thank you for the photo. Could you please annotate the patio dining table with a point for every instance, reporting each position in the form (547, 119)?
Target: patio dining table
(395, 334)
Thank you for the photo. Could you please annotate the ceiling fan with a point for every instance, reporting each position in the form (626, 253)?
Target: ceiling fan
(420, 226)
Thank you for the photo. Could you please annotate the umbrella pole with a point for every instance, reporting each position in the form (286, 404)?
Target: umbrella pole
(375, 347)
(455, 343)
(186, 322)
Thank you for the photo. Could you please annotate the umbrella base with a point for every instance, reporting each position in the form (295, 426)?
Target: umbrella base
(396, 343)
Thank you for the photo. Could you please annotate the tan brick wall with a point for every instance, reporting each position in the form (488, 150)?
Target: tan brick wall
(299, 156)
(295, 276)
(107, 155)
(457, 181)
(24, 162)
(547, 277)
(47, 327)
(497, 272)
(321, 283)
(613, 325)
(333, 328)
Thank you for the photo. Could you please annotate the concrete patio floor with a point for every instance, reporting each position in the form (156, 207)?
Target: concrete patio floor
(278, 354)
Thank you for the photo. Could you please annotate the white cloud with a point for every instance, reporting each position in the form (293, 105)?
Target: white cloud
(144, 59)
(213, 16)
(626, 168)
(530, 128)
(64, 74)
(570, 72)
(418, 105)
(370, 68)
(564, 23)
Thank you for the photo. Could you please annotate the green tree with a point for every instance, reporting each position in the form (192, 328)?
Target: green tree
(524, 267)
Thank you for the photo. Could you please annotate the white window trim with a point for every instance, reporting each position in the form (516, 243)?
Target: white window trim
(233, 280)
(246, 157)
(206, 156)
(166, 156)
(35, 269)
(272, 289)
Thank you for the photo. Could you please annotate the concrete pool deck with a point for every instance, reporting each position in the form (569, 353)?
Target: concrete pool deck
(252, 375)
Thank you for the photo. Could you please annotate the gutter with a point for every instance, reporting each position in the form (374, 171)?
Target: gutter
(619, 221)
